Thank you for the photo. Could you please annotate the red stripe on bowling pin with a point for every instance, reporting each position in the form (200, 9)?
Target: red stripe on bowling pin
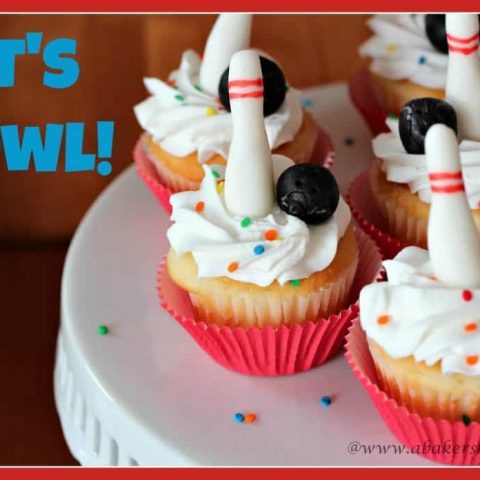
(464, 45)
(245, 88)
(446, 182)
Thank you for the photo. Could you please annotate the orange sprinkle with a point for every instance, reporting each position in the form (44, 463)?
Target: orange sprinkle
(232, 267)
(471, 360)
(250, 418)
(383, 319)
(471, 327)
(200, 207)
(271, 235)
(433, 277)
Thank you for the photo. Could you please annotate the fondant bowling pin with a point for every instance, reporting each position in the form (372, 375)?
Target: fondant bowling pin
(463, 76)
(230, 34)
(249, 188)
(453, 241)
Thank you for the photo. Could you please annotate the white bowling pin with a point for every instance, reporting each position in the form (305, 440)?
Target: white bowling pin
(463, 76)
(249, 188)
(453, 241)
(230, 34)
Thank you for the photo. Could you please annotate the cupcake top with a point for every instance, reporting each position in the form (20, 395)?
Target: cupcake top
(415, 314)
(269, 219)
(411, 168)
(429, 306)
(401, 50)
(184, 114)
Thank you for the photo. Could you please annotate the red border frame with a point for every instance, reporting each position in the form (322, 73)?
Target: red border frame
(238, 474)
(347, 6)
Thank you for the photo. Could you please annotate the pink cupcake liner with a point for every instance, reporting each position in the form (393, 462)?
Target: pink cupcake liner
(369, 218)
(271, 351)
(363, 97)
(438, 440)
(148, 173)
(323, 154)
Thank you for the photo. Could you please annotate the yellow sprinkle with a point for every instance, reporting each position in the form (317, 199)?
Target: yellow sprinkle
(209, 111)
(220, 185)
(392, 48)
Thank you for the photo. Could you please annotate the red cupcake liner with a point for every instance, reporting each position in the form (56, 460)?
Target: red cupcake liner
(268, 351)
(323, 154)
(438, 440)
(369, 218)
(363, 97)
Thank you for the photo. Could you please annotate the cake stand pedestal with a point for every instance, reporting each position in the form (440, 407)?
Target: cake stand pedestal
(145, 394)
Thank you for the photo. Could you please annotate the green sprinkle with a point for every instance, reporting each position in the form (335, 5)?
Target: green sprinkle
(215, 174)
(391, 116)
(466, 420)
(198, 87)
(287, 88)
(246, 221)
(180, 98)
(102, 330)
(295, 283)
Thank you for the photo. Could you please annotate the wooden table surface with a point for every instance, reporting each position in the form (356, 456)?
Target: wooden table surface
(40, 213)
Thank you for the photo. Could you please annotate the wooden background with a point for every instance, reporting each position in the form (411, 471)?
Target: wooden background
(114, 53)
(39, 212)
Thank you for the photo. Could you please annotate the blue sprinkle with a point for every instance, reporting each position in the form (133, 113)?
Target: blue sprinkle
(422, 60)
(325, 401)
(259, 249)
(239, 418)
(307, 103)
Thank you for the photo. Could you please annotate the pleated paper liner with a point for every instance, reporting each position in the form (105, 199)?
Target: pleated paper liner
(369, 218)
(323, 154)
(363, 97)
(268, 351)
(452, 443)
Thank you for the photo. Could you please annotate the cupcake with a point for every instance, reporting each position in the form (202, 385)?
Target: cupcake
(187, 120)
(423, 324)
(407, 58)
(252, 253)
(398, 177)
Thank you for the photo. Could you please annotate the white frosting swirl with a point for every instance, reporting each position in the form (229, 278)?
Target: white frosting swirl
(216, 238)
(402, 167)
(401, 50)
(427, 318)
(185, 119)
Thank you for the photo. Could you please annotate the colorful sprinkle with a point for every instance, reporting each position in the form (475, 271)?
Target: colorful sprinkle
(383, 319)
(215, 174)
(433, 277)
(246, 221)
(198, 88)
(470, 327)
(232, 267)
(422, 60)
(102, 329)
(471, 360)
(200, 207)
(210, 111)
(295, 283)
(325, 401)
(287, 88)
(467, 295)
(271, 235)
(306, 103)
(238, 417)
(250, 417)
(258, 249)
(348, 141)
(466, 420)
(392, 48)
(179, 97)
(391, 116)
(220, 186)
(172, 83)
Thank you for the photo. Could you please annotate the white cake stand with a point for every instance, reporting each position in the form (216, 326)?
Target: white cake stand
(145, 394)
